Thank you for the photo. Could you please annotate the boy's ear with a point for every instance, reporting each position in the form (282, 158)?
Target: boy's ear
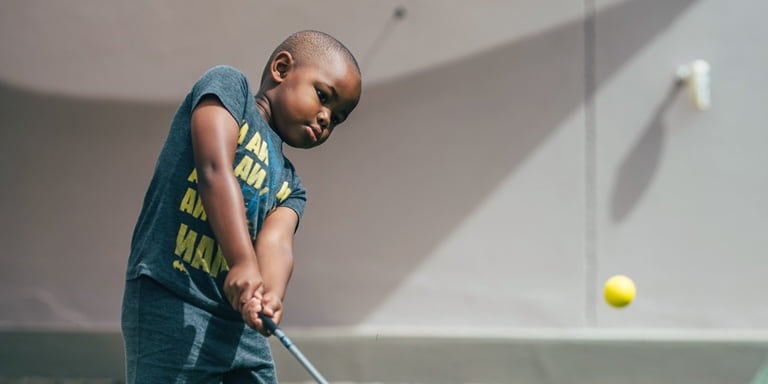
(281, 64)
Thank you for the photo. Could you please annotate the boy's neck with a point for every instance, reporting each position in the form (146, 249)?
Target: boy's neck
(265, 108)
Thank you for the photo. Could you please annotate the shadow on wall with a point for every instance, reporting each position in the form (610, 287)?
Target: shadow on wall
(639, 167)
(422, 152)
(74, 173)
(417, 157)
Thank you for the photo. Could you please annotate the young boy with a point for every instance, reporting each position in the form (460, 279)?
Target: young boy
(198, 277)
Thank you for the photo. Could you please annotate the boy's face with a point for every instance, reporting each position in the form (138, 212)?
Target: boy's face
(311, 99)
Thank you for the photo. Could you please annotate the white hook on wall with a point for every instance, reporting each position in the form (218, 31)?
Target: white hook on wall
(696, 76)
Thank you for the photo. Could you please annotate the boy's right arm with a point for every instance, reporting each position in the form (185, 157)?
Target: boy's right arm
(214, 140)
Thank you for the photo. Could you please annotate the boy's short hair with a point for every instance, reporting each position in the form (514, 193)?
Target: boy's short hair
(305, 44)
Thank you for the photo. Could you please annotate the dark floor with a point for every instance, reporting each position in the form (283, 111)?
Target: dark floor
(47, 380)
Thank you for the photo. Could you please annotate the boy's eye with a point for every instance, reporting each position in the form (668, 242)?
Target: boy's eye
(321, 95)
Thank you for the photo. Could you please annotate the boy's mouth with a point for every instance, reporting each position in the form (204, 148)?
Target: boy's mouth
(312, 133)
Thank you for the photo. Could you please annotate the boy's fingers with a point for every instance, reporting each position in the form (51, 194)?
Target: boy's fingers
(250, 313)
(273, 309)
(245, 295)
(248, 294)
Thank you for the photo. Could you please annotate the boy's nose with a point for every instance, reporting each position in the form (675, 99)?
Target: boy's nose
(323, 118)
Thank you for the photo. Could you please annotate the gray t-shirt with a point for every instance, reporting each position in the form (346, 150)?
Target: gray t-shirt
(173, 242)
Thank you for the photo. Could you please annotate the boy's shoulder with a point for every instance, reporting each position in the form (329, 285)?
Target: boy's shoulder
(222, 80)
(223, 72)
(224, 69)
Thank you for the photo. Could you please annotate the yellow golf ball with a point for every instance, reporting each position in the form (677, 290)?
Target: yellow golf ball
(619, 291)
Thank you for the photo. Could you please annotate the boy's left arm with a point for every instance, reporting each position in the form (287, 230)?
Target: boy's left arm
(274, 252)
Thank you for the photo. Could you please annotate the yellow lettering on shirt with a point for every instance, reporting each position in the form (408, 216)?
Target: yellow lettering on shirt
(204, 254)
(199, 212)
(243, 133)
(219, 263)
(257, 176)
(199, 254)
(179, 266)
(250, 172)
(193, 204)
(255, 143)
(188, 202)
(259, 147)
(263, 153)
(185, 242)
(284, 192)
(243, 169)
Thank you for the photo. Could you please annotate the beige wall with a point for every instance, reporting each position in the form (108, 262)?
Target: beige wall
(681, 194)
(527, 152)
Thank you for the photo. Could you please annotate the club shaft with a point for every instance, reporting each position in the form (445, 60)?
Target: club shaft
(299, 356)
(275, 330)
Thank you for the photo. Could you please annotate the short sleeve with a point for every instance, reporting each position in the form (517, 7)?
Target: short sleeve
(229, 85)
(297, 197)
